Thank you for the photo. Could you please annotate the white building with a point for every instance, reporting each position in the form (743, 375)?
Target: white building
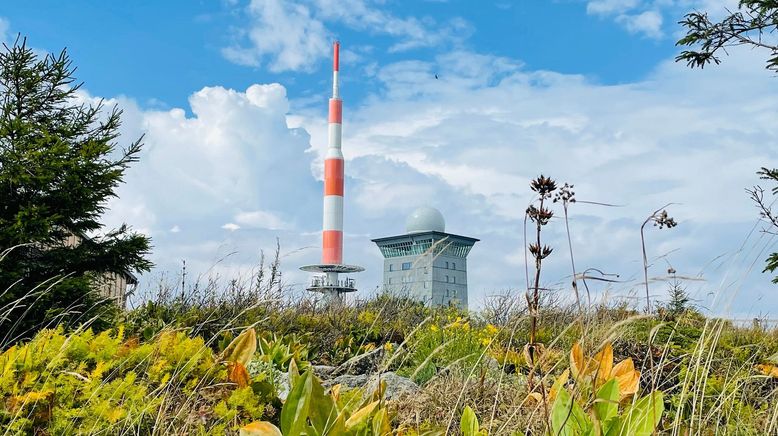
(427, 263)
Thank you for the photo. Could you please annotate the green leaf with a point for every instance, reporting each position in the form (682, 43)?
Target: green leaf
(381, 423)
(606, 403)
(568, 418)
(469, 422)
(642, 418)
(294, 374)
(322, 410)
(294, 414)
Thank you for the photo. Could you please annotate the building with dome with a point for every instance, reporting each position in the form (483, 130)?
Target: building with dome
(427, 263)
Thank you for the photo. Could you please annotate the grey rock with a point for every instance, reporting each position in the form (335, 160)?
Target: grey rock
(365, 363)
(282, 385)
(347, 381)
(395, 385)
(323, 371)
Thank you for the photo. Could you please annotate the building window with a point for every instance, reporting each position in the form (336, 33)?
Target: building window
(425, 285)
(446, 265)
(425, 270)
(454, 279)
(391, 267)
(447, 293)
(406, 266)
(453, 266)
(446, 279)
(390, 281)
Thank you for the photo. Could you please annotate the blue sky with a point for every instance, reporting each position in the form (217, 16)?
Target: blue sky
(231, 97)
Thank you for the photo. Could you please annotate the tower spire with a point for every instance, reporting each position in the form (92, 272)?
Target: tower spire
(332, 225)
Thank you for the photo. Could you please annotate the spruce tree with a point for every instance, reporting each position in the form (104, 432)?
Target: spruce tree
(60, 162)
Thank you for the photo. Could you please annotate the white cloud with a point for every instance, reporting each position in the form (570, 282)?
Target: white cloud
(648, 23)
(468, 144)
(261, 220)
(283, 30)
(293, 35)
(231, 227)
(646, 17)
(5, 28)
(608, 7)
(175, 229)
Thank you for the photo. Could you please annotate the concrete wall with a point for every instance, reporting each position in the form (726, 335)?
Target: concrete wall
(437, 281)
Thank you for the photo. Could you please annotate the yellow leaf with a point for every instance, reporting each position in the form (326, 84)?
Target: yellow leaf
(558, 384)
(628, 384)
(335, 392)
(535, 396)
(238, 374)
(577, 361)
(260, 428)
(626, 366)
(770, 370)
(603, 364)
(241, 348)
(360, 415)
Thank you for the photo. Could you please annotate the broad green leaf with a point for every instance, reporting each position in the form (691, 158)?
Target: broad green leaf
(642, 418)
(294, 414)
(381, 424)
(606, 404)
(322, 410)
(469, 422)
(568, 418)
(294, 374)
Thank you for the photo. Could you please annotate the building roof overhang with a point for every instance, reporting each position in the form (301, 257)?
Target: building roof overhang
(426, 235)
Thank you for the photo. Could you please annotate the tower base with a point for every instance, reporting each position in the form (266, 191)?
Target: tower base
(328, 283)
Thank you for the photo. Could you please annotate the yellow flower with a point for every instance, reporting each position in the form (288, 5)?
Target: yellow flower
(491, 330)
(433, 328)
(388, 346)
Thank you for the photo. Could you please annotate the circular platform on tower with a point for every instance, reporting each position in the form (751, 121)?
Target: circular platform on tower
(330, 268)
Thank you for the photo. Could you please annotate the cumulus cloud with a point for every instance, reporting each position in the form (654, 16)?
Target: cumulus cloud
(233, 174)
(293, 36)
(648, 23)
(470, 142)
(646, 17)
(239, 171)
(285, 31)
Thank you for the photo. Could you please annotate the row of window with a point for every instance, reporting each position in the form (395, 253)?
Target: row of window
(409, 279)
(408, 265)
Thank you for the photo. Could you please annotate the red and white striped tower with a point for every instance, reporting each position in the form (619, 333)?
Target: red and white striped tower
(332, 231)
(332, 228)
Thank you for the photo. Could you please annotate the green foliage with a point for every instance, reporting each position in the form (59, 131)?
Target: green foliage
(311, 411)
(569, 418)
(281, 351)
(469, 423)
(83, 382)
(753, 20)
(448, 340)
(59, 165)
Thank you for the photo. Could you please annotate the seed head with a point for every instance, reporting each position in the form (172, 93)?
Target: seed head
(662, 220)
(565, 194)
(540, 215)
(543, 185)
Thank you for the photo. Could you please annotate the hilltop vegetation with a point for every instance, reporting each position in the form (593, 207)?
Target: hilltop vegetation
(174, 367)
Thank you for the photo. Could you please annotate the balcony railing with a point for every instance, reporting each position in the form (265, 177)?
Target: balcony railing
(322, 282)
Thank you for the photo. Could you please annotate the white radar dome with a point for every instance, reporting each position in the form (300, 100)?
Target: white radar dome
(425, 219)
